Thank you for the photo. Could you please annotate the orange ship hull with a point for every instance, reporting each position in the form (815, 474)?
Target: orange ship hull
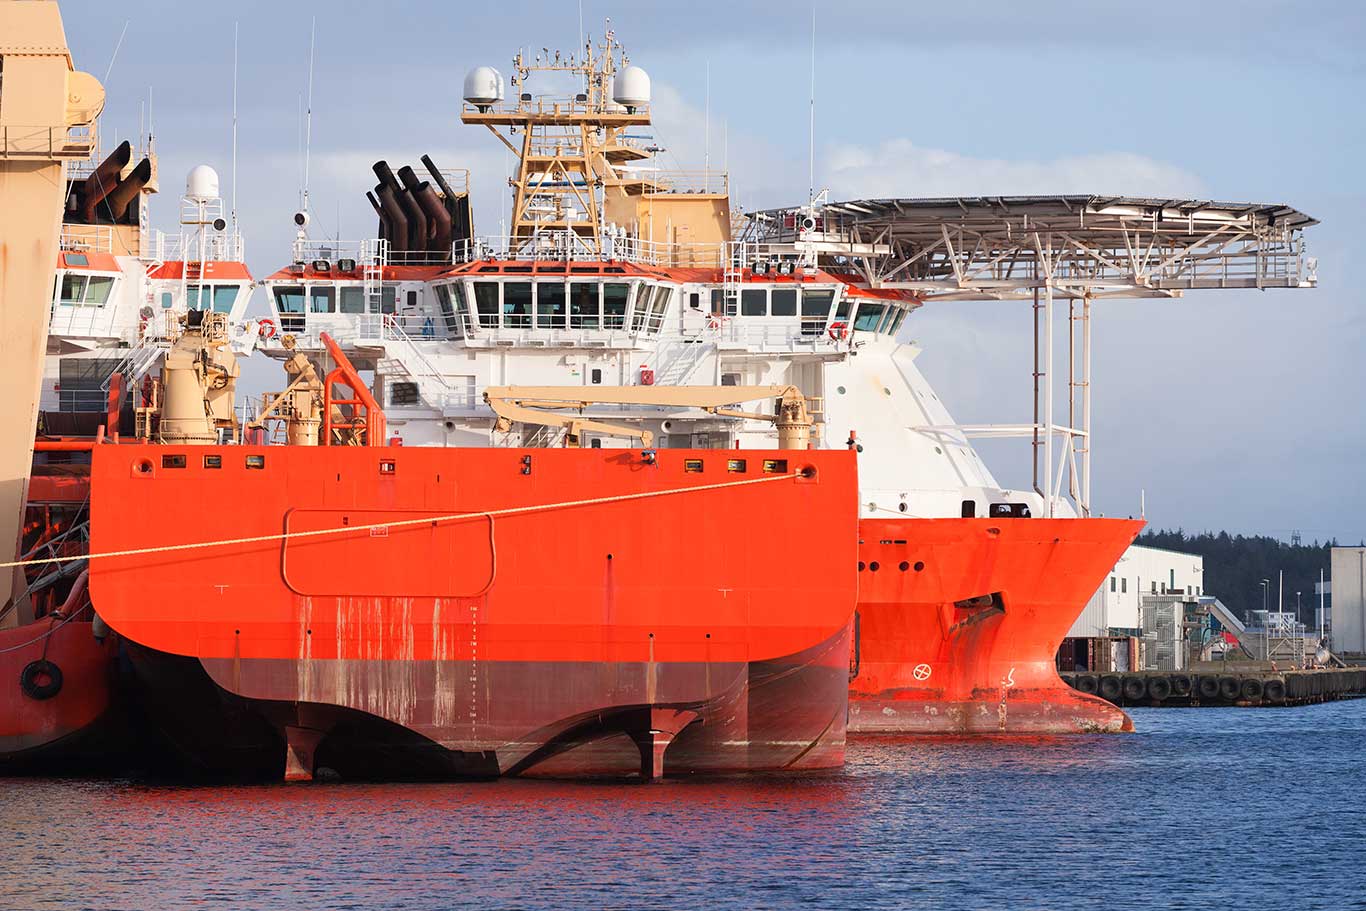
(959, 622)
(60, 696)
(646, 627)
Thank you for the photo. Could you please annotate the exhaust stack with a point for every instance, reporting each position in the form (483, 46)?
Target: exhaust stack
(103, 180)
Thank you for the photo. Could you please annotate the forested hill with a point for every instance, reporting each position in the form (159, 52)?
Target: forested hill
(1235, 567)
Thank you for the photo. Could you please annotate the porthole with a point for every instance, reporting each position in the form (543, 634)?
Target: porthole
(886, 391)
(840, 390)
(919, 566)
(938, 450)
(860, 566)
(903, 566)
(875, 566)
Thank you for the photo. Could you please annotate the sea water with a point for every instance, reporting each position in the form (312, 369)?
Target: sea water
(1201, 808)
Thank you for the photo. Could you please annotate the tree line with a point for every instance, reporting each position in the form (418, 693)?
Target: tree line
(1235, 566)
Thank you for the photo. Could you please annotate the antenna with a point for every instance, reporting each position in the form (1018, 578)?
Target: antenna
(580, 25)
(114, 56)
(706, 128)
(308, 116)
(811, 152)
(234, 126)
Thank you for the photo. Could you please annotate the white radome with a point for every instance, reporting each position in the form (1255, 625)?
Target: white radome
(631, 88)
(483, 86)
(202, 183)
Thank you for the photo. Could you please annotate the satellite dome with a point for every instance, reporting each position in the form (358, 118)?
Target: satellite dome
(483, 87)
(202, 183)
(631, 88)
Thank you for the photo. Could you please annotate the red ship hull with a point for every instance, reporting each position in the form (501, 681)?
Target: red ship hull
(959, 622)
(55, 720)
(647, 628)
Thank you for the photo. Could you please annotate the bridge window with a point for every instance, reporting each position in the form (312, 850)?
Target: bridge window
(550, 305)
(815, 309)
(754, 302)
(322, 299)
(887, 323)
(462, 306)
(517, 305)
(486, 302)
(783, 302)
(842, 311)
(614, 297)
(73, 290)
(658, 307)
(868, 317)
(443, 303)
(83, 291)
(352, 299)
(289, 299)
(896, 324)
(584, 306)
(224, 296)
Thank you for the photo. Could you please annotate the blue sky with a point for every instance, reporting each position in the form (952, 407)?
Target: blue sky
(1237, 410)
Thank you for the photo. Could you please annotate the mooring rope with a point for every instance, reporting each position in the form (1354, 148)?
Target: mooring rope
(429, 520)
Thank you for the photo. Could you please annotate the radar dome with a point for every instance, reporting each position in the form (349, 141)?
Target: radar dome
(631, 88)
(483, 87)
(202, 183)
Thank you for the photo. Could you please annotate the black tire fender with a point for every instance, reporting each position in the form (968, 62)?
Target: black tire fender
(40, 679)
(1159, 688)
(1251, 688)
(1134, 689)
(1274, 690)
(1208, 687)
(1181, 684)
(1228, 688)
(1109, 688)
(1086, 683)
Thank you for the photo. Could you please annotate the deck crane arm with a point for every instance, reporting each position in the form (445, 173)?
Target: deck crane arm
(544, 406)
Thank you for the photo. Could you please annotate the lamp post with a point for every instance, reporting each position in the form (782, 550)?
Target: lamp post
(1266, 586)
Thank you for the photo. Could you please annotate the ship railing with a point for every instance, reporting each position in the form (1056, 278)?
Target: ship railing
(47, 142)
(226, 246)
(86, 239)
(651, 179)
(559, 105)
(566, 246)
(795, 337)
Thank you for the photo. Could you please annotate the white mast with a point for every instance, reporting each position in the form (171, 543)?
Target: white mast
(234, 126)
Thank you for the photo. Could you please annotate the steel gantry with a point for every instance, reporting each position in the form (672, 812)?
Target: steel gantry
(1043, 249)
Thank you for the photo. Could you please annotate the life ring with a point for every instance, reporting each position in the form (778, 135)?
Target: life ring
(266, 328)
(41, 679)
(839, 331)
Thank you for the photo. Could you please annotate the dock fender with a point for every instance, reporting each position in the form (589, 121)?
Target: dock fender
(1251, 688)
(1229, 688)
(1274, 690)
(41, 679)
(1208, 687)
(1181, 684)
(1159, 688)
(1087, 683)
(1133, 689)
(1109, 688)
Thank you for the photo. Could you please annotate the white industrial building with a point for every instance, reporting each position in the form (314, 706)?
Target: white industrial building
(1115, 608)
(1348, 568)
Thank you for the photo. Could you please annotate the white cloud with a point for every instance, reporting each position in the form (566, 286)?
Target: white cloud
(900, 167)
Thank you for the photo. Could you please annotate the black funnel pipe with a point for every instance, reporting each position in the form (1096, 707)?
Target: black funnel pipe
(416, 240)
(118, 200)
(437, 177)
(438, 219)
(103, 180)
(383, 226)
(396, 222)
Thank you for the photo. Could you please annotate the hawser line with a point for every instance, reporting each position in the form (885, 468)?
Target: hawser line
(429, 520)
